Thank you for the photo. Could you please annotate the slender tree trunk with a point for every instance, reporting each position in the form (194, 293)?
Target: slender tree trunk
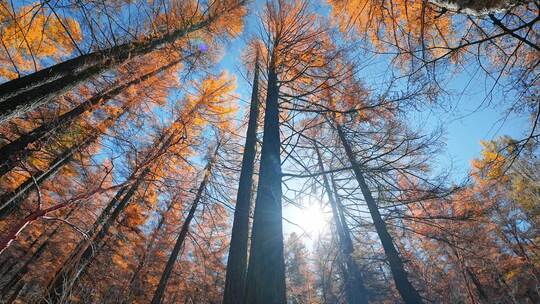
(9, 200)
(407, 291)
(83, 253)
(266, 271)
(23, 269)
(21, 95)
(354, 286)
(11, 235)
(160, 291)
(142, 261)
(17, 150)
(235, 280)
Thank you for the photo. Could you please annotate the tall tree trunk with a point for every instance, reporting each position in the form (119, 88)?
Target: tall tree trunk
(235, 280)
(407, 291)
(21, 95)
(9, 200)
(17, 150)
(11, 286)
(136, 274)
(354, 286)
(266, 271)
(83, 253)
(13, 232)
(158, 295)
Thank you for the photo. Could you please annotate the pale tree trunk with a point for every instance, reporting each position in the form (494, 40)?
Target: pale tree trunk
(477, 7)
(407, 291)
(10, 200)
(266, 270)
(235, 280)
(355, 289)
(160, 291)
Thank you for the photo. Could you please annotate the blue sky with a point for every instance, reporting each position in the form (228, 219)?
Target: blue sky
(469, 113)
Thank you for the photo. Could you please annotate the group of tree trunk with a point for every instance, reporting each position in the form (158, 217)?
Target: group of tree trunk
(122, 189)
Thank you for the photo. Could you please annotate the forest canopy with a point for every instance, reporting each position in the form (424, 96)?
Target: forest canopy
(276, 151)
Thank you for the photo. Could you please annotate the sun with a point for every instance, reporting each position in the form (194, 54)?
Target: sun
(308, 217)
(314, 218)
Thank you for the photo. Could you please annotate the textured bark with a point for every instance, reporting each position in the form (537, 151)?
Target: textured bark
(83, 254)
(235, 280)
(355, 289)
(21, 95)
(478, 7)
(17, 150)
(407, 291)
(135, 278)
(266, 271)
(10, 200)
(15, 282)
(160, 291)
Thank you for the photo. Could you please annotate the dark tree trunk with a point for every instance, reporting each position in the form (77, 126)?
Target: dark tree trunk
(83, 254)
(407, 291)
(10, 200)
(160, 291)
(135, 278)
(266, 271)
(17, 150)
(11, 287)
(21, 95)
(355, 289)
(235, 280)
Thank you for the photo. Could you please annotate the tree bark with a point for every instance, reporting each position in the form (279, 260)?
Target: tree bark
(15, 280)
(407, 291)
(235, 280)
(160, 291)
(17, 150)
(135, 277)
(355, 289)
(477, 7)
(83, 253)
(24, 94)
(9, 200)
(266, 271)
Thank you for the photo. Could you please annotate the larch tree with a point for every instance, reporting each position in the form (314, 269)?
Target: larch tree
(300, 279)
(211, 99)
(293, 54)
(354, 284)
(235, 280)
(23, 94)
(425, 38)
(207, 172)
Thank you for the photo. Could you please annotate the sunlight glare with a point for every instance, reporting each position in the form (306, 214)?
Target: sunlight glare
(312, 218)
